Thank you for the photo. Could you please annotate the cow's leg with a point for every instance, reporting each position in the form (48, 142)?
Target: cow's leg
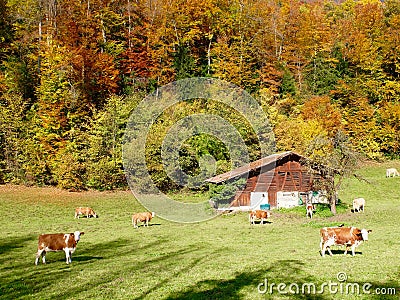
(353, 250)
(39, 252)
(328, 243)
(43, 256)
(345, 251)
(324, 248)
(67, 255)
(321, 249)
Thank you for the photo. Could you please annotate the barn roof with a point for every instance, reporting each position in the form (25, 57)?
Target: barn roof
(253, 166)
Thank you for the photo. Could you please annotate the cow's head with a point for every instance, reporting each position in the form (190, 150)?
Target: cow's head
(153, 214)
(77, 235)
(364, 234)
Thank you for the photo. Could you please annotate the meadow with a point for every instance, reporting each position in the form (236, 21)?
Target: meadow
(223, 258)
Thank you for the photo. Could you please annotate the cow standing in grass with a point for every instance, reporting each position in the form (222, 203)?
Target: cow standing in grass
(58, 242)
(258, 214)
(342, 236)
(144, 217)
(86, 211)
(309, 210)
(358, 204)
(392, 172)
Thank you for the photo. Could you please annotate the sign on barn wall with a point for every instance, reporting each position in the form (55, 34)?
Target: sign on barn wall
(287, 199)
(257, 199)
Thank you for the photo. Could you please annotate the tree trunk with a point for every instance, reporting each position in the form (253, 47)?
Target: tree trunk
(333, 205)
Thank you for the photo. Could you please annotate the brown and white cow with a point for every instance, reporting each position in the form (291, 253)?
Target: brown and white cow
(342, 236)
(144, 217)
(260, 215)
(358, 204)
(310, 210)
(87, 211)
(58, 242)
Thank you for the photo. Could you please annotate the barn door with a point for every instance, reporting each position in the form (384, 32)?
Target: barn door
(272, 197)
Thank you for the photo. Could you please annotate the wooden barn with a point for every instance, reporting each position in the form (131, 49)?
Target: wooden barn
(278, 180)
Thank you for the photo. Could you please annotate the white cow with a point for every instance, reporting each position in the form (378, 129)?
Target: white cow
(358, 204)
(392, 172)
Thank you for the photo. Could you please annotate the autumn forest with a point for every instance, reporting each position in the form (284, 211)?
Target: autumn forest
(71, 72)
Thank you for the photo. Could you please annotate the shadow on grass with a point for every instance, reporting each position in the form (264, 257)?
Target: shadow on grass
(298, 284)
(254, 283)
(341, 252)
(11, 244)
(31, 281)
(260, 224)
(150, 225)
(27, 280)
(84, 258)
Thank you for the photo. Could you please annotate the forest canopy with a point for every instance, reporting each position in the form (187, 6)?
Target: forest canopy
(71, 72)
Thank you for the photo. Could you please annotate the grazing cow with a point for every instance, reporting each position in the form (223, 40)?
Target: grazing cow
(358, 204)
(58, 242)
(87, 211)
(258, 214)
(309, 210)
(343, 236)
(392, 172)
(144, 217)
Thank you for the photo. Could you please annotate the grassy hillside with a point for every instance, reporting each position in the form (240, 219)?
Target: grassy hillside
(224, 258)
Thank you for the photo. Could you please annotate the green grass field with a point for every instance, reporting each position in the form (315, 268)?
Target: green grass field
(223, 258)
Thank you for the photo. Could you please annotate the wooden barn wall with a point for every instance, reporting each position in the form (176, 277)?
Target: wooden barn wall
(287, 177)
